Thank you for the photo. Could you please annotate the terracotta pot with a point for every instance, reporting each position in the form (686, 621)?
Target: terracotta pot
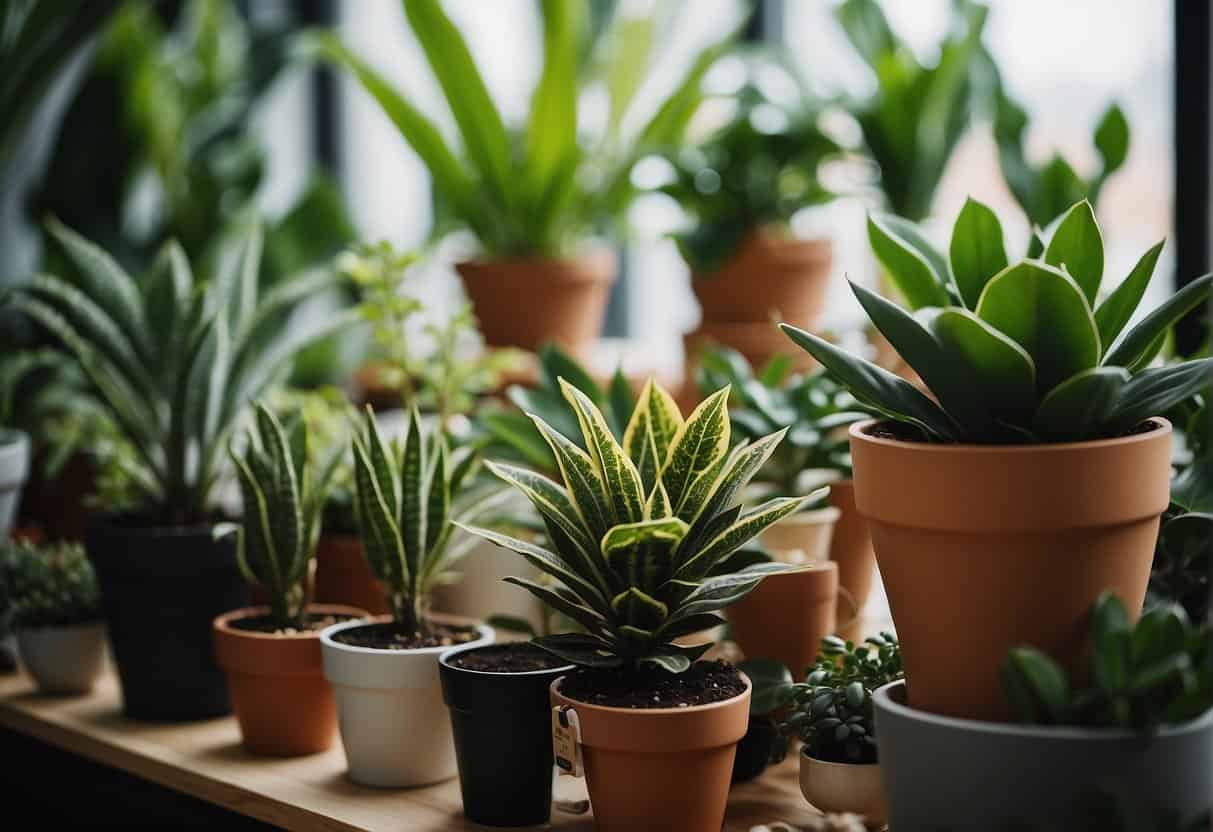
(344, 577)
(851, 544)
(64, 659)
(788, 615)
(394, 725)
(982, 548)
(842, 787)
(964, 775)
(660, 769)
(282, 701)
(803, 537)
(528, 301)
(58, 506)
(771, 277)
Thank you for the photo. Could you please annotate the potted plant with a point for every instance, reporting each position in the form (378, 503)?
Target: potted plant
(763, 744)
(741, 187)
(54, 607)
(831, 712)
(817, 412)
(1183, 564)
(1140, 728)
(394, 725)
(640, 536)
(1042, 455)
(175, 359)
(533, 196)
(271, 654)
(498, 699)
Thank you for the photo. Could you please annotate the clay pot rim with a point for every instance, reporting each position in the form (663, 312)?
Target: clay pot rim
(222, 623)
(601, 260)
(883, 699)
(483, 631)
(690, 709)
(805, 755)
(444, 659)
(859, 431)
(777, 236)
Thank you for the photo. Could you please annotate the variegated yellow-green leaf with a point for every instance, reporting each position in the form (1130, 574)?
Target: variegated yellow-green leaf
(701, 442)
(639, 609)
(585, 487)
(748, 525)
(619, 474)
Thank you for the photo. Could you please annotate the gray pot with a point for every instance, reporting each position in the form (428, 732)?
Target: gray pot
(14, 468)
(957, 775)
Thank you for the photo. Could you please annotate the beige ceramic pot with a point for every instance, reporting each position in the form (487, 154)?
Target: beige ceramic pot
(841, 787)
(660, 769)
(64, 660)
(526, 302)
(771, 277)
(982, 548)
(787, 615)
(803, 537)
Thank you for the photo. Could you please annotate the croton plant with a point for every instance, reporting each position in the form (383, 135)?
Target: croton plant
(1020, 352)
(641, 531)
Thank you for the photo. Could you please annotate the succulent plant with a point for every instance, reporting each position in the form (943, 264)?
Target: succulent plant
(1183, 562)
(404, 494)
(1157, 672)
(174, 358)
(814, 408)
(832, 708)
(283, 495)
(641, 529)
(46, 586)
(1017, 352)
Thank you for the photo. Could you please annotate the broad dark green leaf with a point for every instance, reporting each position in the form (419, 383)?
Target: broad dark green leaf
(977, 250)
(1078, 246)
(1112, 139)
(1153, 392)
(1136, 341)
(1036, 686)
(1001, 373)
(1082, 405)
(1117, 308)
(910, 271)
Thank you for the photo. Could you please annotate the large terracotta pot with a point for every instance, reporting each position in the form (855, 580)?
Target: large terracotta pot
(771, 277)
(843, 787)
(344, 577)
(282, 701)
(528, 301)
(659, 769)
(787, 615)
(984, 547)
(851, 544)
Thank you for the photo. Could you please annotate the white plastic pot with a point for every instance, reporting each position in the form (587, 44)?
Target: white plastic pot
(14, 468)
(394, 723)
(64, 659)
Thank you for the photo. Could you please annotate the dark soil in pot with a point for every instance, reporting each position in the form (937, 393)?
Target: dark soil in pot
(161, 589)
(387, 636)
(652, 687)
(501, 717)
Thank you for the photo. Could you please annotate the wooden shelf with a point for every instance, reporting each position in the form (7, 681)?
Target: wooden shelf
(206, 760)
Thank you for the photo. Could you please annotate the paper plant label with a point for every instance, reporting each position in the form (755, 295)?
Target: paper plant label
(566, 741)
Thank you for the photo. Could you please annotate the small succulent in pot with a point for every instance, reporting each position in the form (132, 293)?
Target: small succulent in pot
(1156, 672)
(283, 497)
(832, 708)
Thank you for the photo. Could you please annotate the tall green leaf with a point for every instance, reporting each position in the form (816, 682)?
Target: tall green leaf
(977, 250)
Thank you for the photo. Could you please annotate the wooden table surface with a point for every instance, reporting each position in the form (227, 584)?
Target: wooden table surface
(207, 761)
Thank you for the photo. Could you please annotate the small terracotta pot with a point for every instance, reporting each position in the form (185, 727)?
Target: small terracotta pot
(788, 615)
(344, 577)
(528, 301)
(771, 277)
(851, 544)
(985, 547)
(803, 537)
(842, 787)
(64, 659)
(282, 701)
(659, 769)
(395, 728)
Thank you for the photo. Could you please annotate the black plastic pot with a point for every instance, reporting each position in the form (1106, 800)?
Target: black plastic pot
(503, 741)
(160, 590)
(755, 749)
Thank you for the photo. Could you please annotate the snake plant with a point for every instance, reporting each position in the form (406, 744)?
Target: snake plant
(1016, 352)
(283, 498)
(541, 188)
(174, 358)
(641, 529)
(403, 502)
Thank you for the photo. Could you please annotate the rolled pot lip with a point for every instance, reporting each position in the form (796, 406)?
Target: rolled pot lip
(450, 652)
(882, 699)
(222, 623)
(805, 755)
(589, 251)
(859, 431)
(483, 632)
(554, 688)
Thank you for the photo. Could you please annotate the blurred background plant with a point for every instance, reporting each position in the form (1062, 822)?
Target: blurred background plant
(46, 586)
(757, 169)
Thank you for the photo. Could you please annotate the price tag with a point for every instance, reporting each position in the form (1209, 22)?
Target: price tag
(566, 741)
